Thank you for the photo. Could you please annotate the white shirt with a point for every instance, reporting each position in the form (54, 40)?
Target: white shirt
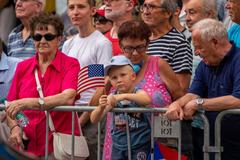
(94, 49)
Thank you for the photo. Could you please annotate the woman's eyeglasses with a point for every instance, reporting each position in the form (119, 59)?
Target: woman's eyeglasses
(130, 49)
(47, 37)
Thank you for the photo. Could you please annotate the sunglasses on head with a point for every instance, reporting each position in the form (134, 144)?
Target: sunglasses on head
(47, 37)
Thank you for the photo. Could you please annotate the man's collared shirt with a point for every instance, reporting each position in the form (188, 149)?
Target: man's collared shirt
(211, 82)
(222, 80)
(19, 48)
(7, 69)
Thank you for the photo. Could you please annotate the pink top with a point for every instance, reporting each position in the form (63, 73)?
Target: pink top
(153, 84)
(115, 44)
(61, 74)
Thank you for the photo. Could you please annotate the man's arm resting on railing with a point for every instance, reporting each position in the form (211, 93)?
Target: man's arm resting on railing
(67, 97)
(221, 103)
(212, 104)
(175, 109)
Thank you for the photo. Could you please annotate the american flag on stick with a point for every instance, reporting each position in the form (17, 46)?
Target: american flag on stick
(90, 76)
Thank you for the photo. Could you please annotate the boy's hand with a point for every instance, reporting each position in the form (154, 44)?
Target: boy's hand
(112, 101)
(103, 102)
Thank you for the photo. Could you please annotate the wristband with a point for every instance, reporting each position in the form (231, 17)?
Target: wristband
(13, 127)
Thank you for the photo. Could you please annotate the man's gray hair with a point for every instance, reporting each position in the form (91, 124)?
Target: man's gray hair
(210, 29)
(168, 5)
(209, 7)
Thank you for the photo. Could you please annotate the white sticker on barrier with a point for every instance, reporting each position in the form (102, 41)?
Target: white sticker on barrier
(165, 128)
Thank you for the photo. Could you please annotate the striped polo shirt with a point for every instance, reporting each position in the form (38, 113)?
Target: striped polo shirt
(175, 49)
(19, 48)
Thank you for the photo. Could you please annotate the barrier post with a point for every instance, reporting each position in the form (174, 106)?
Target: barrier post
(128, 137)
(47, 129)
(219, 148)
(206, 137)
(73, 130)
(152, 136)
(99, 141)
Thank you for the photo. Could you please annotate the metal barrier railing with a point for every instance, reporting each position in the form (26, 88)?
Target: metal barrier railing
(206, 143)
(218, 146)
(206, 149)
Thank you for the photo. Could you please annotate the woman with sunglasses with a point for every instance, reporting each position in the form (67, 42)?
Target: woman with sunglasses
(57, 74)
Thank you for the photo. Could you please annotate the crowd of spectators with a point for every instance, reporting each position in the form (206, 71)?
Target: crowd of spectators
(177, 54)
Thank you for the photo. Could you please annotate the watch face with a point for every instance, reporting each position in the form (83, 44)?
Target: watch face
(199, 101)
(41, 101)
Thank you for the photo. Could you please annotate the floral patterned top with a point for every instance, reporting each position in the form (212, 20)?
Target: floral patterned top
(153, 84)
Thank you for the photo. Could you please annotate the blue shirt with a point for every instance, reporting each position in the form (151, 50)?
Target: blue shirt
(234, 34)
(223, 80)
(139, 127)
(19, 48)
(7, 70)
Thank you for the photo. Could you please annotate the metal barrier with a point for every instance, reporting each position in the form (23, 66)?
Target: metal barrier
(218, 146)
(172, 126)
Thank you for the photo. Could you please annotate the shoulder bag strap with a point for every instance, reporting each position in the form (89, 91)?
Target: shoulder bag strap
(39, 89)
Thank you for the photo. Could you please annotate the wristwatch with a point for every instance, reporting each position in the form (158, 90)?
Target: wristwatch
(199, 102)
(41, 103)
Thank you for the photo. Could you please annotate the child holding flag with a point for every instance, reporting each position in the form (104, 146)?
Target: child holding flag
(122, 76)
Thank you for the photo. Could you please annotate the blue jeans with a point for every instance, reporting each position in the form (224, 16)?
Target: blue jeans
(140, 153)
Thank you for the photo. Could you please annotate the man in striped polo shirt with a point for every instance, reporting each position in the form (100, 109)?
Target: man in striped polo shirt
(166, 41)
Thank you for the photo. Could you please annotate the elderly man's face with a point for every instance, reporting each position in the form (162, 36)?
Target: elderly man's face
(194, 13)
(27, 8)
(205, 49)
(233, 7)
(153, 14)
(115, 8)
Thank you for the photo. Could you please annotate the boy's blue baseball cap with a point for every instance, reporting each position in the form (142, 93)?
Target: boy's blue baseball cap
(117, 61)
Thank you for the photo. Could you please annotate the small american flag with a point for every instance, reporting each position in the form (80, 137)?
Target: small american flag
(90, 76)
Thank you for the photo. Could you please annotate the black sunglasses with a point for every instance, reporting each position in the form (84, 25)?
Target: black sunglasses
(48, 37)
(101, 19)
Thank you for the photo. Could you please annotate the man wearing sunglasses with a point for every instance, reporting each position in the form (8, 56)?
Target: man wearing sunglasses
(101, 22)
(20, 43)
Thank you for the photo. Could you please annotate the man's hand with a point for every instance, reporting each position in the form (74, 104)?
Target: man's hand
(189, 109)
(174, 112)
